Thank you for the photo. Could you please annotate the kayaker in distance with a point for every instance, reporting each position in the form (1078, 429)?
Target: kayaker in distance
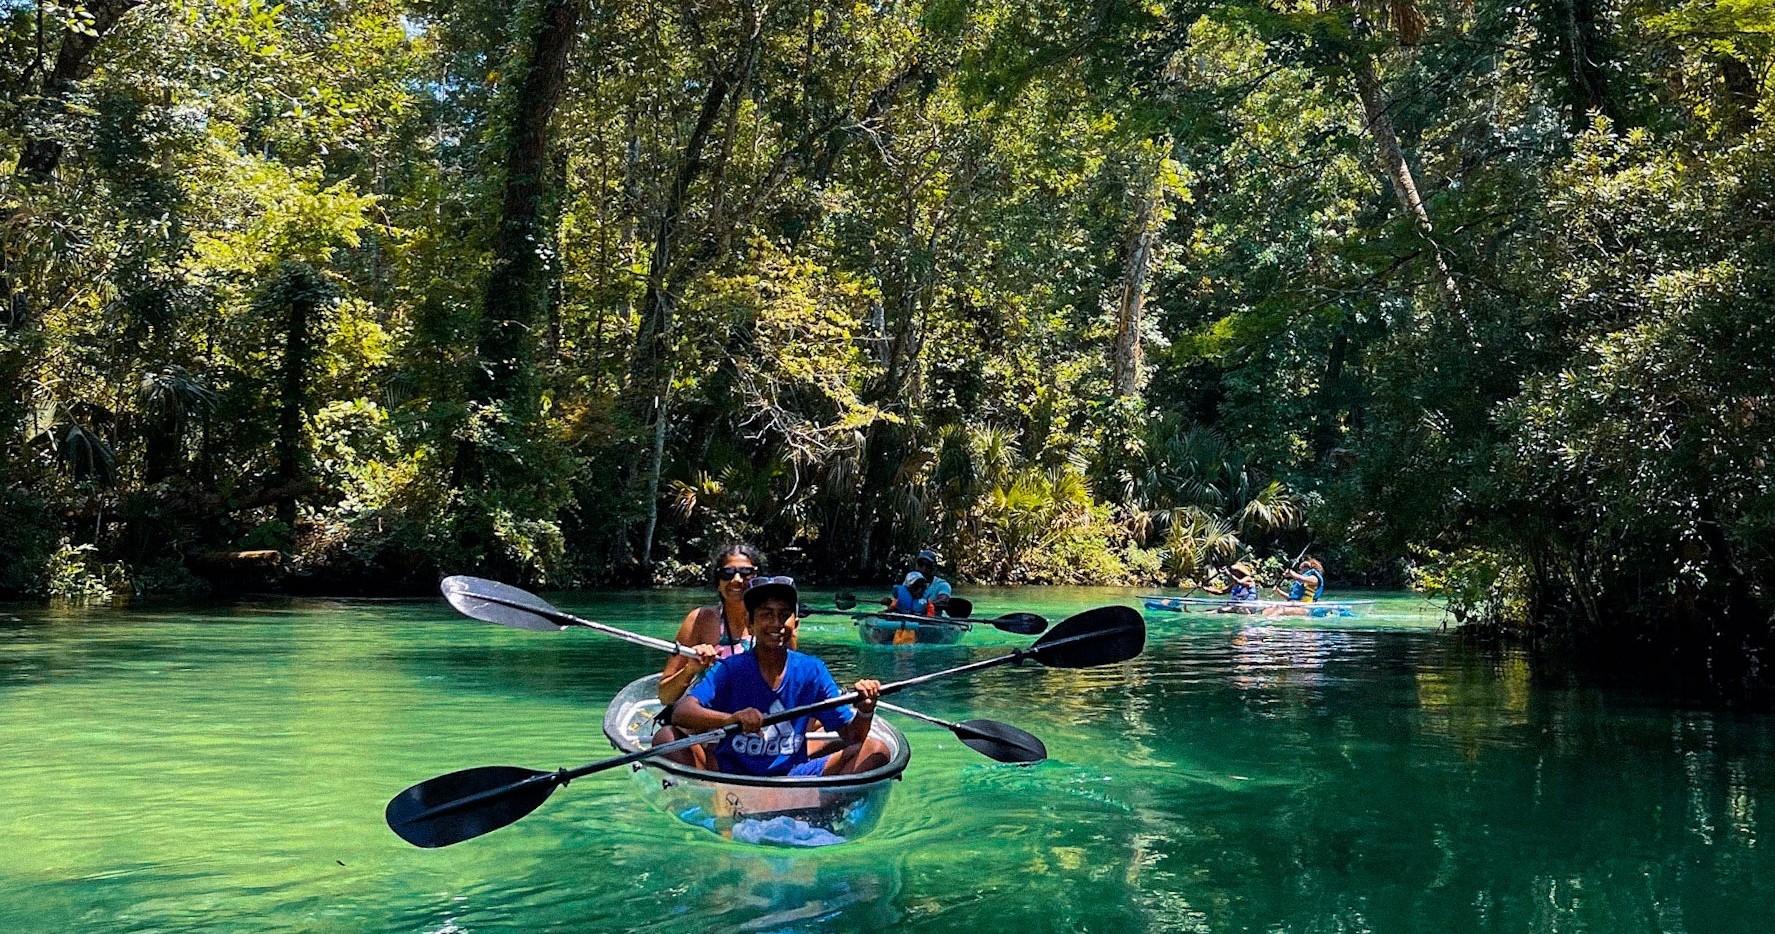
(1241, 589)
(716, 631)
(744, 688)
(909, 596)
(1307, 587)
(938, 590)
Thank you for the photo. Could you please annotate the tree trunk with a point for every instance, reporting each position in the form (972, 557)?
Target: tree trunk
(1742, 97)
(300, 290)
(1398, 172)
(1741, 635)
(718, 220)
(1581, 61)
(1125, 353)
(651, 368)
(1331, 397)
(516, 296)
(517, 287)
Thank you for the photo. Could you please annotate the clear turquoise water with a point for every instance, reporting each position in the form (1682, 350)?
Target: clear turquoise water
(212, 769)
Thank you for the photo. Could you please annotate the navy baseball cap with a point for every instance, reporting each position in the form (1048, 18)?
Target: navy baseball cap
(760, 589)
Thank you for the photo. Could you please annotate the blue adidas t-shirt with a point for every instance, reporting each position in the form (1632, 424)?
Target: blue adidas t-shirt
(736, 683)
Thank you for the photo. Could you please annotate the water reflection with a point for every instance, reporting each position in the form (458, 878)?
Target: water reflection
(1273, 656)
(792, 894)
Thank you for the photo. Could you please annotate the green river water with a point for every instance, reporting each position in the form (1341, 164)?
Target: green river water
(225, 768)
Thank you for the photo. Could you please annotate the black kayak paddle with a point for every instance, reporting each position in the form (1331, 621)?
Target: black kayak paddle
(493, 602)
(990, 738)
(463, 805)
(961, 611)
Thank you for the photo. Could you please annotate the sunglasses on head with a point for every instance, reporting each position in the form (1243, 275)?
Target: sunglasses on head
(761, 581)
(728, 574)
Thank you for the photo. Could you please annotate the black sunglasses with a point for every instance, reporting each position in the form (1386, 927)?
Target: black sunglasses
(728, 574)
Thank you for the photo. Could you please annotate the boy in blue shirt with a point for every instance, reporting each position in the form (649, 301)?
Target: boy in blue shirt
(746, 688)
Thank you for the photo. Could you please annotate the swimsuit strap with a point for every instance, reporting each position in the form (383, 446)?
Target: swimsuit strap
(727, 637)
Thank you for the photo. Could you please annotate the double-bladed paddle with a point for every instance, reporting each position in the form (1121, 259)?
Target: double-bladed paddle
(466, 804)
(960, 610)
(493, 602)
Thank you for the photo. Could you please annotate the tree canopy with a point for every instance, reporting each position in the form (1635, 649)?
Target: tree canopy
(1468, 294)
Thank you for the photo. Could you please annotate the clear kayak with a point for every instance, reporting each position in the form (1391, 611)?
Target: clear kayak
(766, 811)
(898, 629)
(1319, 608)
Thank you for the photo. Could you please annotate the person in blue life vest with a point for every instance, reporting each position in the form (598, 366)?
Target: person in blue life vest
(909, 596)
(1240, 591)
(1306, 587)
(745, 688)
(937, 591)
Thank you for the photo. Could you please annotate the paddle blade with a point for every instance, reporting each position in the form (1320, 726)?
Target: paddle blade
(844, 601)
(1000, 741)
(959, 607)
(435, 813)
(468, 595)
(1104, 636)
(1023, 624)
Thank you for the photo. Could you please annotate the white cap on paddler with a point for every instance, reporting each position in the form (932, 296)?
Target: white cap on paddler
(912, 577)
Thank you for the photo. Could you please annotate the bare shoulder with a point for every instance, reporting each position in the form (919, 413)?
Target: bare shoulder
(702, 624)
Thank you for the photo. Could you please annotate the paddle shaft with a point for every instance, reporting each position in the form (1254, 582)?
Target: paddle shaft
(908, 712)
(563, 776)
(1024, 624)
(568, 619)
(664, 645)
(675, 649)
(913, 619)
(888, 614)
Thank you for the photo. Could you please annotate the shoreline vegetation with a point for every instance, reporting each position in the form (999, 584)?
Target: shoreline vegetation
(1471, 298)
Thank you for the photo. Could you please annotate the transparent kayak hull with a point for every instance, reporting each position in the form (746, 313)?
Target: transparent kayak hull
(1319, 608)
(876, 630)
(770, 811)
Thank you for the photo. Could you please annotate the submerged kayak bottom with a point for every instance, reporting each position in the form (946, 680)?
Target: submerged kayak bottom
(877, 631)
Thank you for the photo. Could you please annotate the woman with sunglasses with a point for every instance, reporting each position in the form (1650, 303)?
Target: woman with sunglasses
(717, 631)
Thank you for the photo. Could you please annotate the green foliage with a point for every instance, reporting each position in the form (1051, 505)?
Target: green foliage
(876, 305)
(76, 572)
(1478, 587)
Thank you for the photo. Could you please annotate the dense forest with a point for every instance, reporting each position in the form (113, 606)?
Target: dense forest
(1472, 296)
